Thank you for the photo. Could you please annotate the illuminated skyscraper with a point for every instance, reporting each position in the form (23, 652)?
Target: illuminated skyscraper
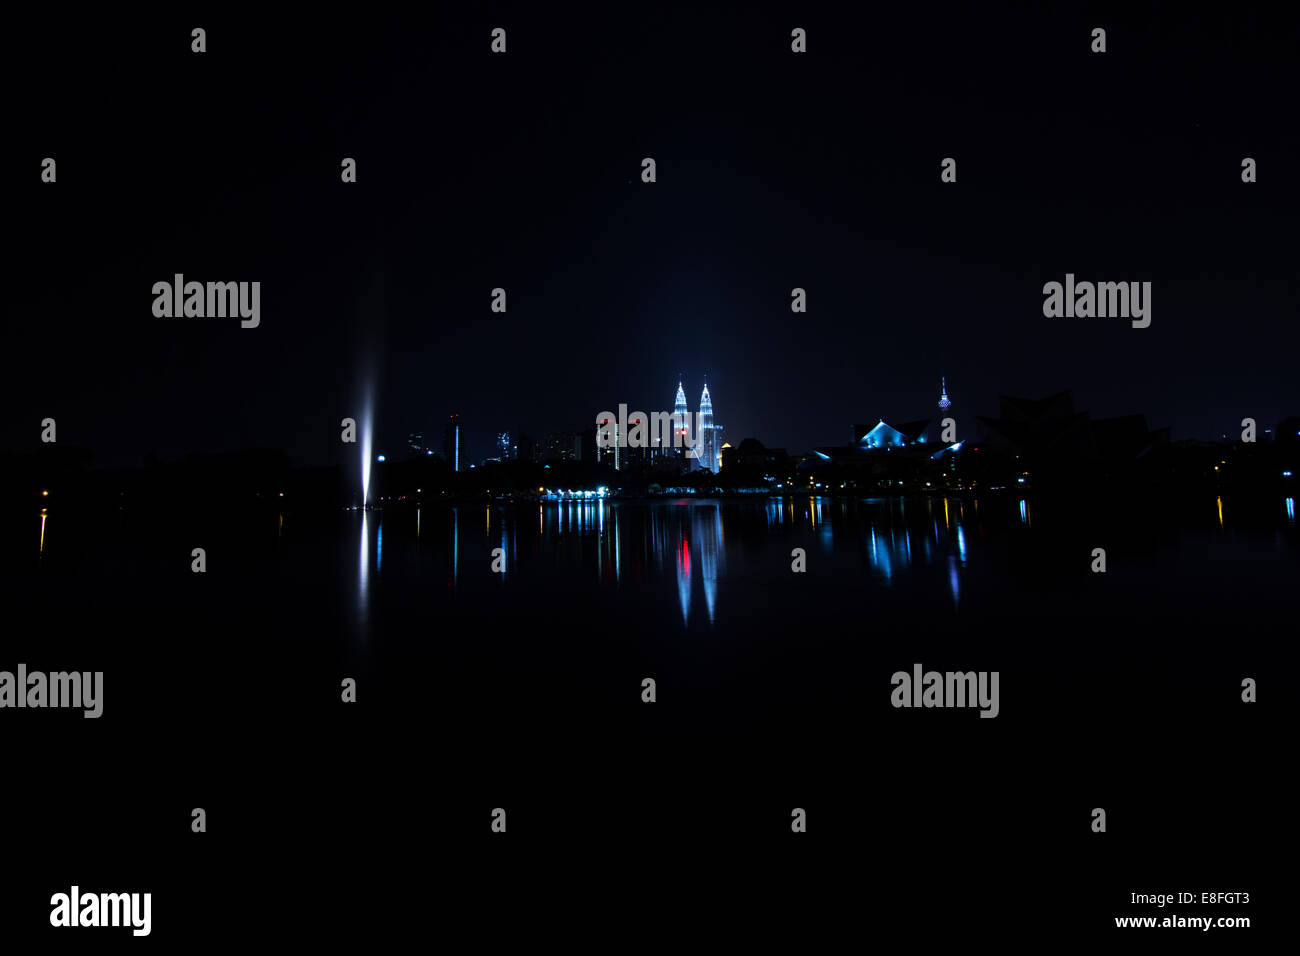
(944, 404)
(451, 442)
(707, 440)
(681, 419)
(610, 454)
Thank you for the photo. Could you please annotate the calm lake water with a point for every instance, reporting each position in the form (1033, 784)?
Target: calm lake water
(698, 595)
(479, 689)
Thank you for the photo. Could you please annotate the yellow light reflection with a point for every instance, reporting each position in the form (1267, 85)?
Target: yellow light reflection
(1220, 501)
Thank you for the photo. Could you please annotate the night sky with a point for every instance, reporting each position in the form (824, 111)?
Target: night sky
(775, 170)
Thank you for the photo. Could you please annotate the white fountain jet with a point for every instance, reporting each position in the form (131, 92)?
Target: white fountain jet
(367, 418)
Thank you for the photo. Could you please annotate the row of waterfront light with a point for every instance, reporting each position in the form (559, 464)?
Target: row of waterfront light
(573, 495)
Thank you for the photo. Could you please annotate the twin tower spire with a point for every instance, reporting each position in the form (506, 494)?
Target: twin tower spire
(679, 403)
(705, 451)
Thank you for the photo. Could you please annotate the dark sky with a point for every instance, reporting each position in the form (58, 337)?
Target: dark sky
(775, 170)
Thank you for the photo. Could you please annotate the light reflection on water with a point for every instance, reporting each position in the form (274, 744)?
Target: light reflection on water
(708, 537)
(682, 545)
(635, 543)
(684, 578)
(363, 568)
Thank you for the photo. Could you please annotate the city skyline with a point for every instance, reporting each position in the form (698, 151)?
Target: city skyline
(945, 405)
(467, 445)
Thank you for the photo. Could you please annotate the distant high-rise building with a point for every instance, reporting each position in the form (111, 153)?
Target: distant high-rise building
(944, 404)
(564, 446)
(681, 418)
(630, 457)
(452, 442)
(611, 454)
(505, 447)
(706, 441)
(415, 442)
(587, 450)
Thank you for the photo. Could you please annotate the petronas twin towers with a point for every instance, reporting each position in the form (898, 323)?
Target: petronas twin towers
(705, 449)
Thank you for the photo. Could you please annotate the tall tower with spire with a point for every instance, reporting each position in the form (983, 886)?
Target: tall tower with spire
(944, 404)
(707, 442)
(681, 419)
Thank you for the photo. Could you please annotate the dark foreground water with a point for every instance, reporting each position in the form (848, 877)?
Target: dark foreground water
(522, 690)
